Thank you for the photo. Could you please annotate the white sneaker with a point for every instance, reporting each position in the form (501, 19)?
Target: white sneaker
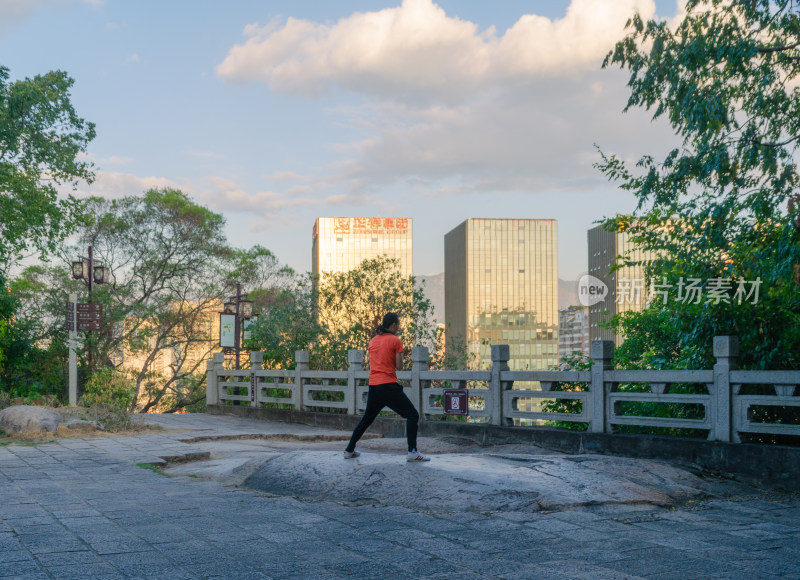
(416, 456)
(351, 454)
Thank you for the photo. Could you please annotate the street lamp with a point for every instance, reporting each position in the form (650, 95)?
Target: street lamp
(86, 269)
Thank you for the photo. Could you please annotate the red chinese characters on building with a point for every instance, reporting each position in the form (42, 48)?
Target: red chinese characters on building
(341, 225)
(375, 225)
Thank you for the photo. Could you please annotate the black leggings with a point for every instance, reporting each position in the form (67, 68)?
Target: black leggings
(388, 395)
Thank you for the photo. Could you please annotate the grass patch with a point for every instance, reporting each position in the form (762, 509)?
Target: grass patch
(152, 467)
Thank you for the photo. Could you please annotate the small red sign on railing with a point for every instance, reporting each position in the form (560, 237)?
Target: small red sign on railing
(455, 402)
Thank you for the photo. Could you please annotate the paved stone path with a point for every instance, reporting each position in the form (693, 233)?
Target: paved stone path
(82, 508)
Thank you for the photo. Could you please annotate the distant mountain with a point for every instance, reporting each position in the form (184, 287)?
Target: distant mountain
(434, 291)
(567, 293)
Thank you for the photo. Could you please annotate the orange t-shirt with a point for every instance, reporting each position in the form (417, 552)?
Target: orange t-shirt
(382, 350)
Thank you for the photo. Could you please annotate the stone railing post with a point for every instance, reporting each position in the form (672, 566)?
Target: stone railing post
(301, 360)
(501, 353)
(212, 378)
(355, 358)
(419, 363)
(256, 364)
(602, 353)
(726, 350)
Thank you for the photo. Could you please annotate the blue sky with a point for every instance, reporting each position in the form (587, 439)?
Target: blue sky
(276, 112)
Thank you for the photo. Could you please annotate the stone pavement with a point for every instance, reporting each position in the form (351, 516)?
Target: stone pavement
(82, 508)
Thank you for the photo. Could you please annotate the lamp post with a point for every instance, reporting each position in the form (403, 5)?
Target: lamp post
(85, 268)
(242, 309)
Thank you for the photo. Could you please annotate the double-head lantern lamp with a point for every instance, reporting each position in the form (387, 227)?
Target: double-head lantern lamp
(80, 271)
(87, 269)
(243, 308)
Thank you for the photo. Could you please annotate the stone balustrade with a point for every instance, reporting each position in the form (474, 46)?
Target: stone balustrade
(721, 405)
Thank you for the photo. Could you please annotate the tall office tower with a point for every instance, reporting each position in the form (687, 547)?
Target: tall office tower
(626, 285)
(501, 287)
(342, 243)
(573, 332)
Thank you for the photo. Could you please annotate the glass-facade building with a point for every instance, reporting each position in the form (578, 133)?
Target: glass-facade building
(340, 244)
(501, 287)
(626, 285)
(573, 332)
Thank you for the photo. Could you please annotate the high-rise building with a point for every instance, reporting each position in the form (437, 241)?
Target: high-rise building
(626, 284)
(340, 244)
(573, 332)
(501, 287)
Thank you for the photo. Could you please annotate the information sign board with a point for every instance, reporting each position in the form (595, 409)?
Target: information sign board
(247, 323)
(455, 402)
(227, 330)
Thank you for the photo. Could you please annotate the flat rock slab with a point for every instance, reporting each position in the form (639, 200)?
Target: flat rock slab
(29, 419)
(475, 482)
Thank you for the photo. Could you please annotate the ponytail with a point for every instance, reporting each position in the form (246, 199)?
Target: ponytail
(389, 319)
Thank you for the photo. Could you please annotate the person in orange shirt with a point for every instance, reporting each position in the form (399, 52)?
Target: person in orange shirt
(385, 358)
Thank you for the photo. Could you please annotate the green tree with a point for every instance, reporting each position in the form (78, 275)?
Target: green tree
(41, 139)
(352, 304)
(7, 308)
(171, 269)
(287, 322)
(340, 312)
(725, 205)
(34, 345)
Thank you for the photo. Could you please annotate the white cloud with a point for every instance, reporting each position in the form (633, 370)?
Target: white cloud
(451, 109)
(416, 51)
(526, 139)
(113, 185)
(134, 57)
(115, 160)
(220, 194)
(13, 12)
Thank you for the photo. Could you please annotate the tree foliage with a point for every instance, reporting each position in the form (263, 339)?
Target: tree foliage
(725, 205)
(34, 344)
(171, 269)
(352, 305)
(41, 139)
(339, 312)
(286, 323)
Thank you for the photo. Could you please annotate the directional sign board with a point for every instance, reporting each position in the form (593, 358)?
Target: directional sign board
(90, 325)
(84, 316)
(87, 310)
(455, 402)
